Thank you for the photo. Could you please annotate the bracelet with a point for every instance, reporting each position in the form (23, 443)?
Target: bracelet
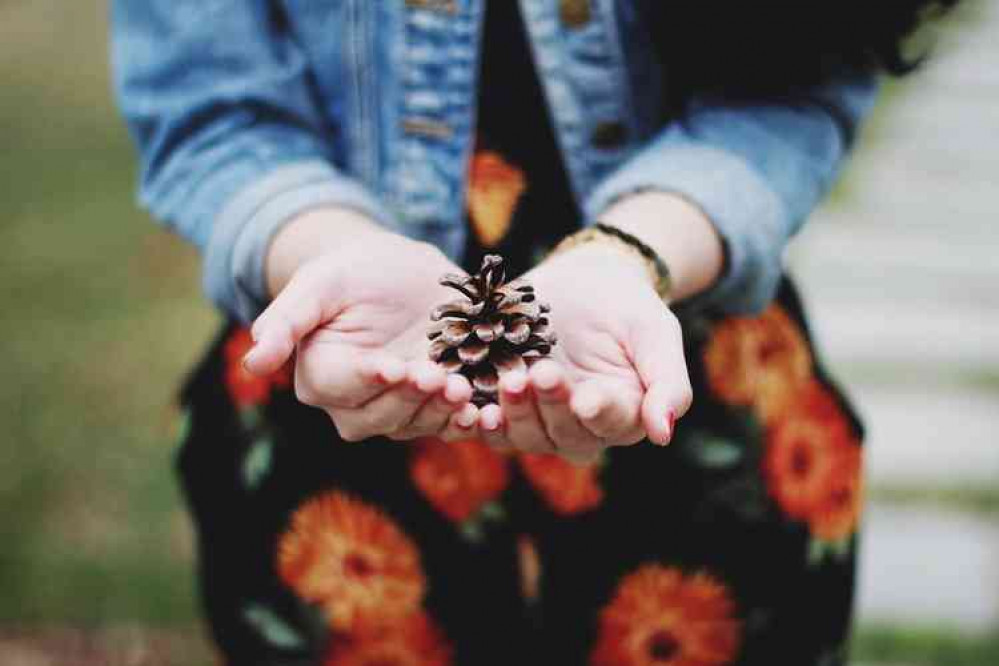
(658, 271)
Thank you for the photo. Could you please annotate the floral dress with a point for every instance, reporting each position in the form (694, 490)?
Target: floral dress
(734, 545)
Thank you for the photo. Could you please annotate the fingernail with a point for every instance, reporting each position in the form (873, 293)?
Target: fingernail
(490, 423)
(453, 393)
(514, 389)
(546, 383)
(249, 356)
(670, 420)
(514, 397)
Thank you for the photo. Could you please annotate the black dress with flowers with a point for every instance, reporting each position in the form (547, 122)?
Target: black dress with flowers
(735, 545)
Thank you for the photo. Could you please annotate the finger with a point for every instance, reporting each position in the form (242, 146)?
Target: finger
(551, 392)
(664, 403)
(433, 417)
(302, 305)
(334, 375)
(658, 354)
(491, 428)
(462, 424)
(393, 410)
(610, 414)
(523, 426)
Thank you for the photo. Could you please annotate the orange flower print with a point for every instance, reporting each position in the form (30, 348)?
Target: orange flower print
(351, 559)
(812, 464)
(414, 641)
(247, 390)
(661, 617)
(530, 568)
(758, 362)
(837, 513)
(457, 478)
(494, 186)
(566, 488)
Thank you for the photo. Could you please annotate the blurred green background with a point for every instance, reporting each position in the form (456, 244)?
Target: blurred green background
(102, 315)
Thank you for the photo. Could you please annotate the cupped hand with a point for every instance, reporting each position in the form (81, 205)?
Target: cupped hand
(357, 315)
(617, 374)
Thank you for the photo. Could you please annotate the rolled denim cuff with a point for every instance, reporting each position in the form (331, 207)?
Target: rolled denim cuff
(748, 214)
(236, 251)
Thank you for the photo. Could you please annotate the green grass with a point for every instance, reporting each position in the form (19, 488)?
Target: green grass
(924, 647)
(100, 316)
(981, 500)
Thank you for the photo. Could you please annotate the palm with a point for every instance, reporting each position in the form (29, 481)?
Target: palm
(383, 309)
(594, 317)
(592, 352)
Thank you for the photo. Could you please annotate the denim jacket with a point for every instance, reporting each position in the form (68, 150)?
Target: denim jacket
(247, 112)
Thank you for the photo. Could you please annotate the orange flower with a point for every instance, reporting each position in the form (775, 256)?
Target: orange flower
(351, 559)
(837, 513)
(494, 186)
(530, 567)
(758, 362)
(567, 489)
(414, 641)
(245, 389)
(457, 478)
(659, 617)
(812, 464)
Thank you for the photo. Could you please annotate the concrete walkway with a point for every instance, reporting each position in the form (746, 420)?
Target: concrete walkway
(901, 274)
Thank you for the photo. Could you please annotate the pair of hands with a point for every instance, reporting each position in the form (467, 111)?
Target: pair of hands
(358, 315)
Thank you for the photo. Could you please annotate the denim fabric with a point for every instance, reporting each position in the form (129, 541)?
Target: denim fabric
(247, 112)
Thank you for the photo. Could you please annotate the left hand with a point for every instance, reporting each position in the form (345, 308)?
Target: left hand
(617, 374)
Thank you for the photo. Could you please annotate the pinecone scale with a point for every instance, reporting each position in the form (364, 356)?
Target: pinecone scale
(492, 328)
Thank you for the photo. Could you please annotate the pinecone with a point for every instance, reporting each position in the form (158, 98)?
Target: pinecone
(497, 327)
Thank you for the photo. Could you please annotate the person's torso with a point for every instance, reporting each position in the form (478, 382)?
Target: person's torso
(398, 83)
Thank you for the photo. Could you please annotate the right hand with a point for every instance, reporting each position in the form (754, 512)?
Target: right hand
(357, 310)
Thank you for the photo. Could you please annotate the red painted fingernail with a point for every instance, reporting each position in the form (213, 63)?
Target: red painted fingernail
(671, 419)
(515, 397)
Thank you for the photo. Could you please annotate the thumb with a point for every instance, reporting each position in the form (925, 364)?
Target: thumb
(300, 308)
(659, 360)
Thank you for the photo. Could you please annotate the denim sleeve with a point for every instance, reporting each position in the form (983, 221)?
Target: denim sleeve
(756, 170)
(231, 143)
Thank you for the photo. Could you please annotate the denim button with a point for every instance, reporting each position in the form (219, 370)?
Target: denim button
(449, 6)
(574, 13)
(608, 135)
(427, 127)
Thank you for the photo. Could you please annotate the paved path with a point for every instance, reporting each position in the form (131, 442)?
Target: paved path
(901, 273)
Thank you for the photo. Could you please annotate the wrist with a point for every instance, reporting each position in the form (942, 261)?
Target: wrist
(678, 231)
(599, 258)
(311, 234)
